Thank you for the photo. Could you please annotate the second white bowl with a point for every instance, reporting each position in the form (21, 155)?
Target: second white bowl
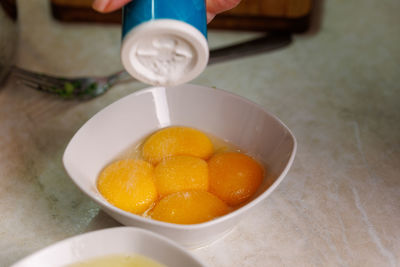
(112, 241)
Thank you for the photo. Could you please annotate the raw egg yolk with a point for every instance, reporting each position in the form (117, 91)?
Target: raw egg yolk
(129, 185)
(174, 141)
(189, 207)
(234, 177)
(181, 173)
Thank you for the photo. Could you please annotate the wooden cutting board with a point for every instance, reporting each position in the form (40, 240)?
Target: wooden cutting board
(265, 15)
(259, 15)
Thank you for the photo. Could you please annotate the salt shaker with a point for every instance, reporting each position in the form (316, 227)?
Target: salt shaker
(164, 42)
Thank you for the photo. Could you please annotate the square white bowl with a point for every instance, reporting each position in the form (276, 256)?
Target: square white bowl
(112, 241)
(219, 113)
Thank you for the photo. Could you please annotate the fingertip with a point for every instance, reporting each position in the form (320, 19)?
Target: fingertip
(100, 5)
(210, 17)
(105, 6)
(218, 6)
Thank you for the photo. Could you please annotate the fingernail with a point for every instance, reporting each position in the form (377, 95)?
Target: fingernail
(100, 5)
(210, 16)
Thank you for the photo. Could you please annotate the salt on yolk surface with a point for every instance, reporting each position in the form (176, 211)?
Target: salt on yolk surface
(234, 177)
(181, 173)
(177, 141)
(129, 185)
(189, 207)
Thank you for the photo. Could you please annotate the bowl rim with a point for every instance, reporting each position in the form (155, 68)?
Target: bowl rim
(102, 202)
(130, 232)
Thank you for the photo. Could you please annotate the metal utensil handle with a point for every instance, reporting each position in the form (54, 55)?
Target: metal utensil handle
(259, 45)
(265, 43)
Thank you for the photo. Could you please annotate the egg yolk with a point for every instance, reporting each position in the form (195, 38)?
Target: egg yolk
(189, 207)
(129, 185)
(174, 141)
(234, 177)
(181, 173)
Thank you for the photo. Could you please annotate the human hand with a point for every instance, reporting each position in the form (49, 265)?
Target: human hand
(213, 6)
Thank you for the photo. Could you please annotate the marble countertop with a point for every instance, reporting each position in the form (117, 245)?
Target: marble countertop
(337, 88)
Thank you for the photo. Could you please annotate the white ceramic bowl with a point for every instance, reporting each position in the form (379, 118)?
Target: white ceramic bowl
(213, 111)
(119, 240)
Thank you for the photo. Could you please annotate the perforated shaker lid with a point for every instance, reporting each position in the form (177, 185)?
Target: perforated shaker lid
(164, 52)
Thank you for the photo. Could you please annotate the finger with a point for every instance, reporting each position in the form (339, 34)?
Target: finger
(105, 6)
(210, 16)
(218, 6)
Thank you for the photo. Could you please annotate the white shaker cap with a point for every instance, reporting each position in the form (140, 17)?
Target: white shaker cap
(164, 52)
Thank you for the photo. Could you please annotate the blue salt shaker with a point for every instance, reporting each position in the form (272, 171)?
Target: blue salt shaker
(164, 42)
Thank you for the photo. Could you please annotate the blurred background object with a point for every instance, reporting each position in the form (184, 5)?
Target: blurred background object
(266, 15)
(254, 15)
(8, 36)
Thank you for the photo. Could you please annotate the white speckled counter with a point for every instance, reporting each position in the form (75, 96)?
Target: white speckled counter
(338, 90)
